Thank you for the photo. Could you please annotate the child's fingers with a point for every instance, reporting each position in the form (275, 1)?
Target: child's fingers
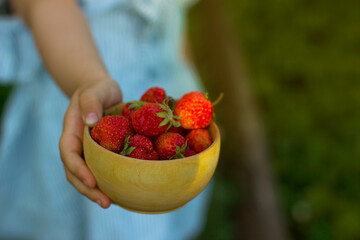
(69, 151)
(91, 105)
(90, 99)
(70, 144)
(94, 194)
(94, 98)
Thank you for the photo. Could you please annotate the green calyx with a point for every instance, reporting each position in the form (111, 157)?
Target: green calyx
(133, 105)
(206, 96)
(171, 102)
(127, 150)
(113, 113)
(168, 115)
(180, 151)
(136, 105)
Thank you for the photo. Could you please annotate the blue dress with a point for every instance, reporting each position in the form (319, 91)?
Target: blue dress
(139, 43)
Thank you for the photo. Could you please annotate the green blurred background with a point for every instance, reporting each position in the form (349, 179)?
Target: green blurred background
(303, 58)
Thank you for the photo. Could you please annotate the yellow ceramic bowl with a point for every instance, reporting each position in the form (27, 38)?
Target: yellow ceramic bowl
(149, 186)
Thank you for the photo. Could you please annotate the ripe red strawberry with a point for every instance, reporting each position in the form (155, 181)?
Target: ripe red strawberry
(153, 155)
(146, 121)
(154, 94)
(141, 141)
(170, 145)
(189, 152)
(131, 107)
(153, 119)
(191, 94)
(111, 131)
(194, 110)
(198, 140)
(179, 130)
(141, 153)
(139, 147)
(126, 111)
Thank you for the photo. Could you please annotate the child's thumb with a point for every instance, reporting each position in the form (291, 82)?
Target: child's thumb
(93, 100)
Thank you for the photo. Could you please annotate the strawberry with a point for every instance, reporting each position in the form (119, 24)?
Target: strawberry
(170, 145)
(154, 94)
(153, 155)
(131, 107)
(194, 110)
(111, 131)
(192, 94)
(141, 141)
(126, 111)
(179, 130)
(153, 119)
(141, 153)
(146, 121)
(140, 147)
(198, 139)
(189, 152)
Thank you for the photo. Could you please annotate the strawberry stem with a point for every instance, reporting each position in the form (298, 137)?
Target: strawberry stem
(220, 97)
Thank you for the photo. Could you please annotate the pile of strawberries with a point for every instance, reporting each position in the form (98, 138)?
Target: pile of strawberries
(158, 126)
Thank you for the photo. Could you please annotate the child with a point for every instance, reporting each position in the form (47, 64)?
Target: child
(138, 42)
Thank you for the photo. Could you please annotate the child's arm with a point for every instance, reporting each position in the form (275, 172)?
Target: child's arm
(64, 41)
(68, 51)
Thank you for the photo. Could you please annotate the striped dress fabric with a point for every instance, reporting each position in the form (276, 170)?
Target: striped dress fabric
(139, 44)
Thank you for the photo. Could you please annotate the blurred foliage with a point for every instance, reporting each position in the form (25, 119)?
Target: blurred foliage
(304, 60)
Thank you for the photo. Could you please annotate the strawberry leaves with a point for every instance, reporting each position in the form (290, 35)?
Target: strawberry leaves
(180, 151)
(168, 115)
(113, 113)
(137, 104)
(127, 150)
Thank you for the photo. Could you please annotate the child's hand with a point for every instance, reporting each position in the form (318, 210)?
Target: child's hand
(86, 107)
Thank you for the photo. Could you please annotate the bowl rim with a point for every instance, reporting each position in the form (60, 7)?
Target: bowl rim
(217, 139)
